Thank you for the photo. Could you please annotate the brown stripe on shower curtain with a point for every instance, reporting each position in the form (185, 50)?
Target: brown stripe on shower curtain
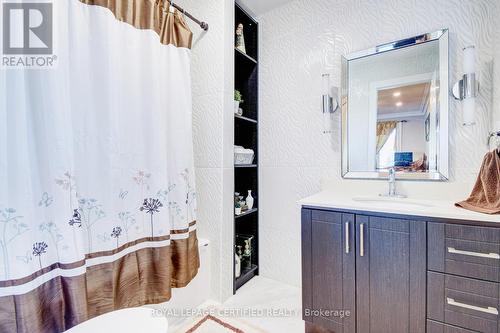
(145, 276)
(73, 265)
(152, 15)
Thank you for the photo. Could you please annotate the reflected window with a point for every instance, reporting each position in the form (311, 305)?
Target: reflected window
(386, 154)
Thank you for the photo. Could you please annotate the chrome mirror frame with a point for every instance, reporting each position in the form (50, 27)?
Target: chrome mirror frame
(442, 172)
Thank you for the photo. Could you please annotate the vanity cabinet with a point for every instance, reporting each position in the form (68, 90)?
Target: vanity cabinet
(372, 268)
(328, 263)
(397, 273)
(390, 275)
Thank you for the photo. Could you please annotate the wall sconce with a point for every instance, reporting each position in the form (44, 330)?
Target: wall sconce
(467, 89)
(330, 104)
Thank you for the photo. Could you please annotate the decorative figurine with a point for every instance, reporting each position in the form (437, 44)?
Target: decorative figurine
(247, 253)
(242, 203)
(240, 39)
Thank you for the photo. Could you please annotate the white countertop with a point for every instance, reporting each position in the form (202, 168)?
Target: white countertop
(416, 207)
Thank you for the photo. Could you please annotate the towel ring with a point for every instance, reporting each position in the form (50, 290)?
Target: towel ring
(494, 135)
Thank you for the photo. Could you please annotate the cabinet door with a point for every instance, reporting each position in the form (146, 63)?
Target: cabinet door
(329, 270)
(390, 275)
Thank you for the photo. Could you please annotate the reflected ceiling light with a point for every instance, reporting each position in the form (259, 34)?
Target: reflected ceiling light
(399, 104)
(397, 94)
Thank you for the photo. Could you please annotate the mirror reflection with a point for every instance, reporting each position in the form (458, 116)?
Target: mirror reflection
(403, 137)
(393, 108)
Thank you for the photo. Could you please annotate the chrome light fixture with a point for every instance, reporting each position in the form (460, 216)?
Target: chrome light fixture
(330, 104)
(467, 89)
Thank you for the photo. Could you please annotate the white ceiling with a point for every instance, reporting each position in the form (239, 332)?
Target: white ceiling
(259, 7)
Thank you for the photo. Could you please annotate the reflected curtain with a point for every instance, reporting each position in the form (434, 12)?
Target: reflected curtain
(384, 130)
(97, 195)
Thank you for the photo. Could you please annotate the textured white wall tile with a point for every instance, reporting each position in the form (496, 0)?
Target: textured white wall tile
(495, 116)
(207, 129)
(212, 73)
(306, 38)
(227, 234)
(208, 47)
(228, 133)
(279, 219)
(209, 226)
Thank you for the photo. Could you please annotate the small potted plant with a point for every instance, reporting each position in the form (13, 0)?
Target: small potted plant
(237, 208)
(238, 99)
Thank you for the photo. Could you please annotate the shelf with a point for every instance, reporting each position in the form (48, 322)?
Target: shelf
(246, 176)
(244, 56)
(245, 165)
(245, 213)
(245, 276)
(246, 119)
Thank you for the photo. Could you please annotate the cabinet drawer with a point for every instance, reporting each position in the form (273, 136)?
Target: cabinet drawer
(436, 327)
(326, 216)
(467, 251)
(463, 302)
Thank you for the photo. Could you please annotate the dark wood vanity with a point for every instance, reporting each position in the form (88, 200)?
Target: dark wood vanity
(388, 273)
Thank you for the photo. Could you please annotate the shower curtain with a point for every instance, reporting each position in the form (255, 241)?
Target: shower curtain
(97, 193)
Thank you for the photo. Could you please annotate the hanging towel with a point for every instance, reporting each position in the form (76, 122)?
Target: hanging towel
(485, 197)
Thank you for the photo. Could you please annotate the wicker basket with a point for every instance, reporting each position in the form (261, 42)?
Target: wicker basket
(243, 156)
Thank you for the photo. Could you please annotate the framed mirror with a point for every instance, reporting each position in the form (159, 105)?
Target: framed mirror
(395, 104)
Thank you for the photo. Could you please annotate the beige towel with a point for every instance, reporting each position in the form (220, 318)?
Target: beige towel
(485, 197)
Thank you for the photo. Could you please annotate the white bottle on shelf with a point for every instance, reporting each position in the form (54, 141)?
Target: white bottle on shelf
(237, 266)
(249, 200)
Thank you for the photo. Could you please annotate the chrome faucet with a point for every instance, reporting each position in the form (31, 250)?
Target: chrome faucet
(392, 185)
(392, 182)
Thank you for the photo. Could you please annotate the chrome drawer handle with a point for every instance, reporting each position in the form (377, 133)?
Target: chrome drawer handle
(474, 254)
(362, 240)
(347, 249)
(489, 309)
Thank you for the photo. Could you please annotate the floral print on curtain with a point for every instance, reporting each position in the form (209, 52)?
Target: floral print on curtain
(97, 193)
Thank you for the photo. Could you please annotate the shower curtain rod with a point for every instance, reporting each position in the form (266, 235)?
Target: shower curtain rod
(203, 25)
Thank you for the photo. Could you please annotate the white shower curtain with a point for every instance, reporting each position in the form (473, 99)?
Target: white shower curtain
(97, 194)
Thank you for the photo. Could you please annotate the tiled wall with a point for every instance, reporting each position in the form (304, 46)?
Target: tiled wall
(306, 38)
(212, 77)
(496, 67)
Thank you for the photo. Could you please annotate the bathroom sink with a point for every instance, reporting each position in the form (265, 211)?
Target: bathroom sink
(392, 202)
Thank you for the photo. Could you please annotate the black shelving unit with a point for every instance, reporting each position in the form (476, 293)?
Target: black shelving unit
(245, 213)
(246, 166)
(245, 119)
(246, 135)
